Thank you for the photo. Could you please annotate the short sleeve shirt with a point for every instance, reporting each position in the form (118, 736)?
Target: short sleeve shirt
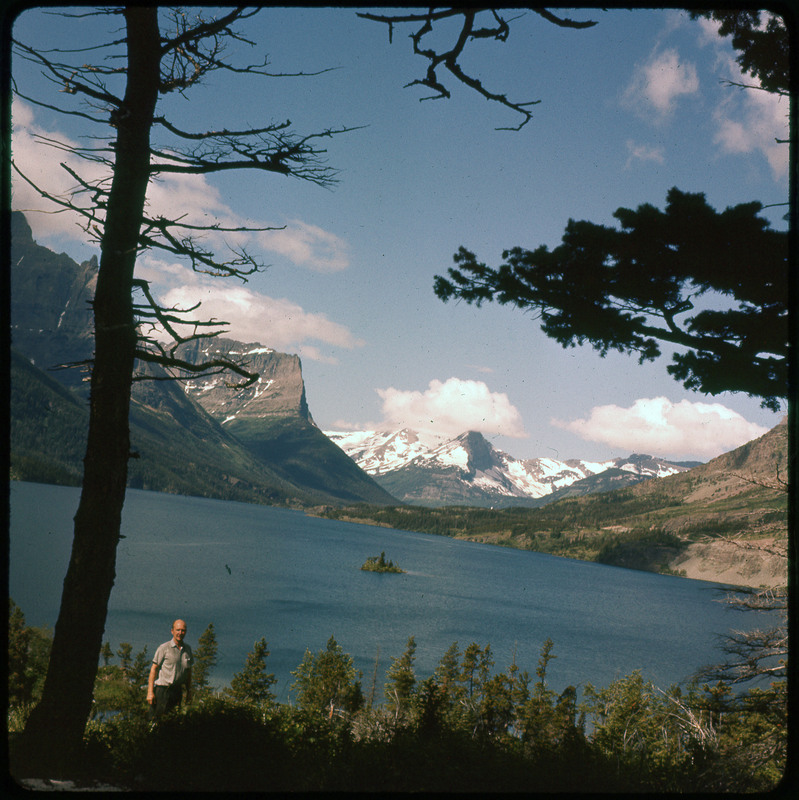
(173, 663)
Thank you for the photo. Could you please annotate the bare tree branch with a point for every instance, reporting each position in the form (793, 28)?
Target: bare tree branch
(68, 76)
(499, 31)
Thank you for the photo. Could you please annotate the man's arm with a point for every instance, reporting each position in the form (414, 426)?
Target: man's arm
(151, 683)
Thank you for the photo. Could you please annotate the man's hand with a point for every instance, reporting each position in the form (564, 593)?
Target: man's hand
(150, 697)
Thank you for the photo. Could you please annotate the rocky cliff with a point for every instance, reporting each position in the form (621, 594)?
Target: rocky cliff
(278, 392)
(259, 444)
(271, 418)
(51, 318)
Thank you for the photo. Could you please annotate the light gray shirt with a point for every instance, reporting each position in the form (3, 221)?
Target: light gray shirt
(173, 662)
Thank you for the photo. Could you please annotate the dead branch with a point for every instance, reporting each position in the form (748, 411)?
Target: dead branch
(448, 60)
(779, 483)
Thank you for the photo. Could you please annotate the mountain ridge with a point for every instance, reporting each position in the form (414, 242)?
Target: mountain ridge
(426, 469)
(724, 521)
(279, 457)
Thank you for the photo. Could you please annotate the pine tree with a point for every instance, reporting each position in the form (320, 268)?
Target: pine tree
(140, 669)
(401, 680)
(18, 644)
(328, 682)
(252, 683)
(124, 653)
(204, 658)
(106, 653)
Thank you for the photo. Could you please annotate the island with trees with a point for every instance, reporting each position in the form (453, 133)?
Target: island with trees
(374, 564)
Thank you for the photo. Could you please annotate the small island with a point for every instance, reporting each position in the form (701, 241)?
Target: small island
(374, 564)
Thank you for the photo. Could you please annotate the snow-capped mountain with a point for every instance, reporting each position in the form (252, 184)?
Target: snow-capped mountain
(426, 469)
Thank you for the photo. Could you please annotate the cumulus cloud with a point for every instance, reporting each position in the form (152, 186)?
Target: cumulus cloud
(751, 121)
(253, 317)
(191, 197)
(659, 82)
(452, 407)
(660, 427)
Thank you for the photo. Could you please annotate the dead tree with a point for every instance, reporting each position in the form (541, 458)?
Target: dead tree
(158, 53)
(497, 28)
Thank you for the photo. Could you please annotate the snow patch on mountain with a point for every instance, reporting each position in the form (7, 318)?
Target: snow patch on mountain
(469, 469)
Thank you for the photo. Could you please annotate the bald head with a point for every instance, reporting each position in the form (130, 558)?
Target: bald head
(178, 630)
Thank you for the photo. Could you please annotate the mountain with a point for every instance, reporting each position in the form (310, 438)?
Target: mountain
(51, 318)
(177, 449)
(723, 521)
(260, 445)
(467, 470)
(271, 418)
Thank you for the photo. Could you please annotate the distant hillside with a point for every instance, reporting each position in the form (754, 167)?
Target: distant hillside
(278, 456)
(676, 524)
(272, 420)
(48, 441)
(431, 470)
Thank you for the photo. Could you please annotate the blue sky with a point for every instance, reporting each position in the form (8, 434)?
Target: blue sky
(628, 109)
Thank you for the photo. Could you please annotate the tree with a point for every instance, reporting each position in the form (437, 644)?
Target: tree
(327, 682)
(18, 644)
(118, 688)
(757, 720)
(106, 653)
(475, 671)
(437, 20)
(401, 681)
(762, 41)
(122, 93)
(252, 684)
(28, 652)
(125, 654)
(743, 348)
(204, 658)
(632, 288)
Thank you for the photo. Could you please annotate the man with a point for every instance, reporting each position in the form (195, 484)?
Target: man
(169, 673)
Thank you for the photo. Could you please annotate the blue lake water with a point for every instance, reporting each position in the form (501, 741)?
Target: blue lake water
(256, 571)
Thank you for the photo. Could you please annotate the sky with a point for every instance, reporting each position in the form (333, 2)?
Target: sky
(627, 109)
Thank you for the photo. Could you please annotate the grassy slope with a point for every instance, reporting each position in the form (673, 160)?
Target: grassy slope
(48, 437)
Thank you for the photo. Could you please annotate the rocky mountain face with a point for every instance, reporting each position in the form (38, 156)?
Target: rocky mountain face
(429, 470)
(279, 390)
(258, 445)
(51, 317)
(271, 418)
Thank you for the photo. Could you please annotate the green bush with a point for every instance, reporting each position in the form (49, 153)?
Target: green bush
(466, 727)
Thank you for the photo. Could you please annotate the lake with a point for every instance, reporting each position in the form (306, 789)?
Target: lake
(257, 571)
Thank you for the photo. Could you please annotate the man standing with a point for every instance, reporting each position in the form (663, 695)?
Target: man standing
(170, 672)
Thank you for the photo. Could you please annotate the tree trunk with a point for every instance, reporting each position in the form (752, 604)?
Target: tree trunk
(55, 729)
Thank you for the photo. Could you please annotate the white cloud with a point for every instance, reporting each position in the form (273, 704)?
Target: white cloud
(190, 197)
(751, 120)
(41, 164)
(659, 82)
(308, 245)
(254, 317)
(452, 407)
(643, 152)
(748, 120)
(660, 427)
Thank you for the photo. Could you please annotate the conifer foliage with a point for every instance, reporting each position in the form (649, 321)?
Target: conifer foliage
(252, 684)
(466, 727)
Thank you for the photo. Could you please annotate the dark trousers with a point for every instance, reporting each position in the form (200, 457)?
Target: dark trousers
(166, 698)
